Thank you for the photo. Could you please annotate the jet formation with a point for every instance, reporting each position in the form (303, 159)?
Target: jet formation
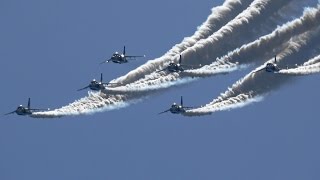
(172, 67)
(94, 85)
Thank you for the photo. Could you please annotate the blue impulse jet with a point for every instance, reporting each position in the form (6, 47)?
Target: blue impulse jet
(21, 110)
(177, 109)
(175, 67)
(270, 67)
(121, 58)
(97, 86)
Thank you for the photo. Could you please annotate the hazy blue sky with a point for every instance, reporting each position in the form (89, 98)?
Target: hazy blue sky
(48, 49)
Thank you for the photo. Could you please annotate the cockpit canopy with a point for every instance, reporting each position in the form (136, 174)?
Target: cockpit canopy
(116, 55)
(174, 105)
(94, 81)
(20, 108)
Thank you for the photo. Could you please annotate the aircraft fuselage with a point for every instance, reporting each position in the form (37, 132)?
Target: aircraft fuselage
(173, 67)
(119, 58)
(22, 111)
(176, 109)
(270, 67)
(96, 86)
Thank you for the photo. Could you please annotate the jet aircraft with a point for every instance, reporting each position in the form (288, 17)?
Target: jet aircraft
(175, 67)
(270, 67)
(177, 109)
(97, 86)
(120, 58)
(21, 110)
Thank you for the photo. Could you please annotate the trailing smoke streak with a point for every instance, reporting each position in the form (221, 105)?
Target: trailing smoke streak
(256, 80)
(255, 85)
(254, 51)
(94, 102)
(220, 42)
(219, 17)
(234, 34)
(218, 69)
(158, 81)
(238, 101)
(302, 70)
(152, 85)
(310, 67)
(312, 61)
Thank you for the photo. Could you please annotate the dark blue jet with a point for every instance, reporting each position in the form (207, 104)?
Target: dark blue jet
(177, 109)
(21, 110)
(97, 86)
(121, 58)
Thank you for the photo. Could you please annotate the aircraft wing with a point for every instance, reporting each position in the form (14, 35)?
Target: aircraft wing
(10, 113)
(190, 66)
(105, 61)
(40, 109)
(112, 83)
(185, 65)
(259, 70)
(189, 107)
(134, 57)
(164, 111)
(83, 88)
(162, 70)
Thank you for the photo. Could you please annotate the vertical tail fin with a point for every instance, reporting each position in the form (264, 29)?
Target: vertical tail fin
(181, 101)
(29, 103)
(180, 60)
(101, 77)
(124, 50)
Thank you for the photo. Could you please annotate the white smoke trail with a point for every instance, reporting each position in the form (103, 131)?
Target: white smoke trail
(254, 86)
(238, 101)
(157, 81)
(152, 85)
(220, 68)
(219, 17)
(310, 67)
(254, 51)
(312, 61)
(94, 102)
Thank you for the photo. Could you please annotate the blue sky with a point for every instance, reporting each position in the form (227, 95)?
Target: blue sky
(50, 49)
